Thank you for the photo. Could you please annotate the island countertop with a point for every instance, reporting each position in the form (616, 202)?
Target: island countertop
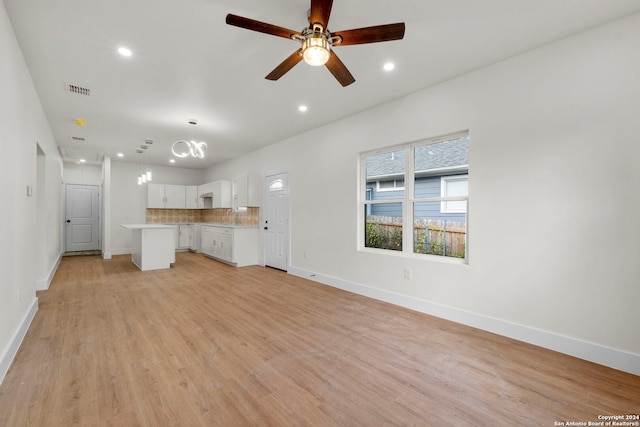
(145, 226)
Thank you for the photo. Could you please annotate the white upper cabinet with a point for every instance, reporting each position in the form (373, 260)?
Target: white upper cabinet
(174, 196)
(165, 196)
(191, 195)
(221, 195)
(218, 194)
(240, 191)
(155, 195)
(205, 188)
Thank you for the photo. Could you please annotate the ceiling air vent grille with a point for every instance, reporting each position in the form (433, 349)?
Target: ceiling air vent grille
(79, 90)
(78, 138)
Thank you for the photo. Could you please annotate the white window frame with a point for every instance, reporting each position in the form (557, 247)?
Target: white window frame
(407, 202)
(444, 207)
(395, 186)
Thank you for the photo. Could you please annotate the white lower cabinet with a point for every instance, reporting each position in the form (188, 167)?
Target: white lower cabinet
(223, 244)
(196, 238)
(185, 236)
(236, 246)
(206, 240)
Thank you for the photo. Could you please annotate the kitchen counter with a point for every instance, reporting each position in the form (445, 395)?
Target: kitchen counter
(213, 224)
(229, 225)
(144, 226)
(152, 245)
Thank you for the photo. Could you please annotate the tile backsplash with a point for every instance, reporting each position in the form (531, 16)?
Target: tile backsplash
(213, 216)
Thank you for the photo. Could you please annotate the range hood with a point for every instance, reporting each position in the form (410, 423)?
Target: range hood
(207, 195)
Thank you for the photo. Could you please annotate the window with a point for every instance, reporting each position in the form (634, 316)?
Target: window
(413, 198)
(454, 186)
(383, 206)
(391, 185)
(276, 185)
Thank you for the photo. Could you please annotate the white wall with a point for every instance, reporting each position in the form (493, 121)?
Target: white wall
(554, 201)
(129, 200)
(23, 127)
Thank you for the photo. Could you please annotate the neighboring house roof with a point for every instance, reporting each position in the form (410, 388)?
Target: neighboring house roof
(440, 158)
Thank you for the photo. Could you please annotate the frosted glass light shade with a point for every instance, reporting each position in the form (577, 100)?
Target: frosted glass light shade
(315, 50)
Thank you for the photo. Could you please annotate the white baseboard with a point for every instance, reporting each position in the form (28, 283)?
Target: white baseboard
(120, 251)
(7, 356)
(43, 284)
(613, 358)
(106, 255)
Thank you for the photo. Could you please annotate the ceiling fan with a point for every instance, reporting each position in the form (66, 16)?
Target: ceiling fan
(318, 42)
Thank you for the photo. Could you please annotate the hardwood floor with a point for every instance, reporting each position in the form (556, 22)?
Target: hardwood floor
(206, 344)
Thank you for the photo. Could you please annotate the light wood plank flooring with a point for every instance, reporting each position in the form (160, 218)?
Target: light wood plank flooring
(206, 344)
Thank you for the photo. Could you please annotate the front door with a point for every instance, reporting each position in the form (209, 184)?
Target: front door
(82, 218)
(276, 221)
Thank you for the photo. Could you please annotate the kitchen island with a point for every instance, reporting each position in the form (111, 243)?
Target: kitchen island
(152, 245)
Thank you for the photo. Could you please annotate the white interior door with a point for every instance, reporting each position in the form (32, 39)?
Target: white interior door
(276, 221)
(83, 219)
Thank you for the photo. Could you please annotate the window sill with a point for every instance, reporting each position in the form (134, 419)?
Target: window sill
(423, 257)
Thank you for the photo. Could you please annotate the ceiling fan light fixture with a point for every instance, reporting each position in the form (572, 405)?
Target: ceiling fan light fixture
(315, 49)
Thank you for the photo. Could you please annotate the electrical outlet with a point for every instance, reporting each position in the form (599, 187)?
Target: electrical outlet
(407, 273)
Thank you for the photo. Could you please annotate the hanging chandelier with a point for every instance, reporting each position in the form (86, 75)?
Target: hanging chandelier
(183, 148)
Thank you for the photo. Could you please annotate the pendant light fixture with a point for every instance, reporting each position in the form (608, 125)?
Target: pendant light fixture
(147, 175)
(183, 148)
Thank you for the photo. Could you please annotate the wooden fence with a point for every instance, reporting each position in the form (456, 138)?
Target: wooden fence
(437, 237)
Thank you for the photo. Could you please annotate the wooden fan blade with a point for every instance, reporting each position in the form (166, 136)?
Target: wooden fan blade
(320, 12)
(262, 27)
(339, 70)
(379, 33)
(285, 65)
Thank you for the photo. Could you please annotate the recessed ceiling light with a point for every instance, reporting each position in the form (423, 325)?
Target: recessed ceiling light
(124, 51)
(302, 108)
(120, 155)
(389, 66)
(82, 160)
(172, 160)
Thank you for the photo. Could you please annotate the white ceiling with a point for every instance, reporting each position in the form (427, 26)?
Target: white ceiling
(188, 64)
